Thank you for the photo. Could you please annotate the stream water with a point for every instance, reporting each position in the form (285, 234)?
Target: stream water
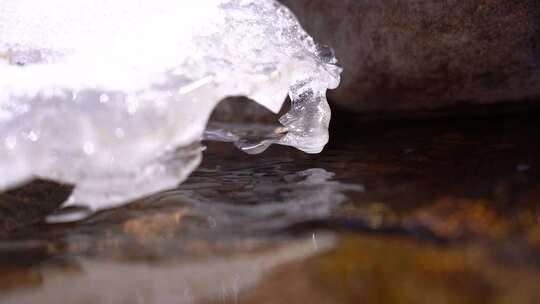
(427, 211)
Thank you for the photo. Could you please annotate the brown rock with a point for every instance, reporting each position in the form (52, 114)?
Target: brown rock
(420, 54)
(30, 204)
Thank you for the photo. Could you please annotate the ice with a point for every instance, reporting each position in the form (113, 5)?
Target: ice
(114, 96)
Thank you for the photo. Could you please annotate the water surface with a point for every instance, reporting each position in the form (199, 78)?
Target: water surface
(428, 211)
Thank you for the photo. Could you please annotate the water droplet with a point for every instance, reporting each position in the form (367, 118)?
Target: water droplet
(119, 132)
(132, 104)
(89, 148)
(212, 222)
(104, 98)
(32, 136)
(10, 142)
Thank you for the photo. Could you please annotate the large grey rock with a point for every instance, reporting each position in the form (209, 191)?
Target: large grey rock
(423, 54)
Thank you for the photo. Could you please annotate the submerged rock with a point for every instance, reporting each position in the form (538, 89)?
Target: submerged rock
(114, 97)
(414, 55)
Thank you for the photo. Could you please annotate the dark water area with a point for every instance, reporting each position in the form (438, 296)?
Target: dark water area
(438, 210)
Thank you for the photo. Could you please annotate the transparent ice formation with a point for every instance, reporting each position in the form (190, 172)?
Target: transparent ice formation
(114, 96)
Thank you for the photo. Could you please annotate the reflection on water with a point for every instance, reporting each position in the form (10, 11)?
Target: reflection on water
(242, 201)
(209, 239)
(177, 281)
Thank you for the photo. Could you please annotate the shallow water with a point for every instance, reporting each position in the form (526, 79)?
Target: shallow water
(428, 211)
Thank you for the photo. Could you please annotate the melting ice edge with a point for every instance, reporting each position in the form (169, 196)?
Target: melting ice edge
(114, 97)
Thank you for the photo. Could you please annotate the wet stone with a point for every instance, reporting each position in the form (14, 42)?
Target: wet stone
(417, 55)
(29, 204)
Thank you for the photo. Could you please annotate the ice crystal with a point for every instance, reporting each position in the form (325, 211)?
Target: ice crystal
(114, 96)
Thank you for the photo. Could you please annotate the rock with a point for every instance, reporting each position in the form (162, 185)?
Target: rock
(419, 54)
(30, 204)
